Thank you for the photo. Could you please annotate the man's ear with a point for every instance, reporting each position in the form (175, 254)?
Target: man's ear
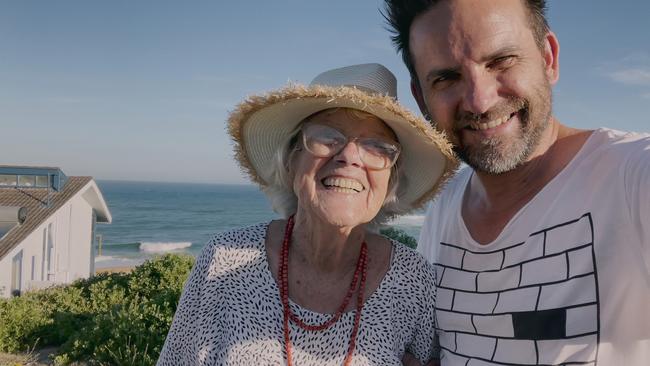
(417, 94)
(551, 56)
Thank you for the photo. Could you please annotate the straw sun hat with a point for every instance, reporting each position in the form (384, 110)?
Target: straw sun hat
(261, 123)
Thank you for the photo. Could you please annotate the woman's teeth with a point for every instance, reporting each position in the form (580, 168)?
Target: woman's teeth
(343, 185)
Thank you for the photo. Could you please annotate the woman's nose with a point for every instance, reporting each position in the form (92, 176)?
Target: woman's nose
(349, 154)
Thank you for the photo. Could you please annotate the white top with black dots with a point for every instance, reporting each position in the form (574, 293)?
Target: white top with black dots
(230, 312)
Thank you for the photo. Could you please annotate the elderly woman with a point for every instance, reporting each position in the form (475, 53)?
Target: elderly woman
(319, 287)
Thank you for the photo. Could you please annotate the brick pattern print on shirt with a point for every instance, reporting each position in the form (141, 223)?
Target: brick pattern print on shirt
(532, 303)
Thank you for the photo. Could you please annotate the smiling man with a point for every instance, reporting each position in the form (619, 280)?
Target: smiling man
(542, 245)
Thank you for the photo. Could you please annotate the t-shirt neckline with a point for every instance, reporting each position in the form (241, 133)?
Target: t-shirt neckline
(499, 239)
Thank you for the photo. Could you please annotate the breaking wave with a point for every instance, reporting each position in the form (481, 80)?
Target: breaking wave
(160, 247)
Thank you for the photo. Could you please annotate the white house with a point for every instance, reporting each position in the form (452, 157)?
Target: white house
(47, 227)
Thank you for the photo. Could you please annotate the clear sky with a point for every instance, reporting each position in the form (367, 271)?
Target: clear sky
(140, 90)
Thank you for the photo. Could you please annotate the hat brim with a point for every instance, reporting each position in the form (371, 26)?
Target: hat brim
(261, 123)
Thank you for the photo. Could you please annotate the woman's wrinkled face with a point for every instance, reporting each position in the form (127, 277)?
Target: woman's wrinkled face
(341, 189)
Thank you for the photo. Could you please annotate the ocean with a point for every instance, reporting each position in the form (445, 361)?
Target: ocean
(156, 218)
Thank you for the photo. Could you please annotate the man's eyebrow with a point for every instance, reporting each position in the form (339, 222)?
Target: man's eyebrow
(501, 52)
(436, 73)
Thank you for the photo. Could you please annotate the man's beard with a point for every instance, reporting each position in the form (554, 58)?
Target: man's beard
(500, 154)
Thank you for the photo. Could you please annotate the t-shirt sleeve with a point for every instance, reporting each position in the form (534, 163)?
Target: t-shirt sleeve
(442, 215)
(180, 347)
(427, 234)
(637, 189)
(423, 346)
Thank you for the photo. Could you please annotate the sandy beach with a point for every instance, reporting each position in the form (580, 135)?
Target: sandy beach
(112, 264)
(117, 269)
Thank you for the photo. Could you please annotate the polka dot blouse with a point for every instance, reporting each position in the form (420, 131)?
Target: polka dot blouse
(230, 312)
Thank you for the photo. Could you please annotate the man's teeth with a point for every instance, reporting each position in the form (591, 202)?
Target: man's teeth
(343, 185)
(490, 124)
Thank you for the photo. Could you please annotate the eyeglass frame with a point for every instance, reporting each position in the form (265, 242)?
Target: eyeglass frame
(347, 140)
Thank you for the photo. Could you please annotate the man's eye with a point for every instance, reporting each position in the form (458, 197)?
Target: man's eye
(443, 81)
(503, 62)
(440, 79)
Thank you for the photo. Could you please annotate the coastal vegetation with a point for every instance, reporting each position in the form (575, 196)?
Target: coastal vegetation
(109, 319)
(400, 236)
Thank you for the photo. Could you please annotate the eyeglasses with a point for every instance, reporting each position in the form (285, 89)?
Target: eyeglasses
(325, 142)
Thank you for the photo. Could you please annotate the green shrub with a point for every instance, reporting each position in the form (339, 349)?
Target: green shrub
(22, 321)
(110, 319)
(400, 236)
(132, 334)
(155, 281)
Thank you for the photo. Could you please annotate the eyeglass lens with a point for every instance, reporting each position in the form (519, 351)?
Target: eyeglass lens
(324, 141)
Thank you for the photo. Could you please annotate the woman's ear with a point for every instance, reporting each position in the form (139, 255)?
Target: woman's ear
(288, 165)
(295, 147)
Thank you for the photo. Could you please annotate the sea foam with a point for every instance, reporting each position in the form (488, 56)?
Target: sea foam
(109, 261)
(163, 247)
(408, 220)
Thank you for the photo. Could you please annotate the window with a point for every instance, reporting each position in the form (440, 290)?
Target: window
(43, 254)
(33, 277)
(42, 181)
(16, 273)
(50, 253)
(26, 181)
(7, 180)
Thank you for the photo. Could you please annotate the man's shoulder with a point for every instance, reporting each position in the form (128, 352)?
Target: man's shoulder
(442, 210)
(454, 185)
(615, 139)
(620, 148)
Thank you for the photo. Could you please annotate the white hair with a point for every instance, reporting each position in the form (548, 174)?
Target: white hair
(285, 202)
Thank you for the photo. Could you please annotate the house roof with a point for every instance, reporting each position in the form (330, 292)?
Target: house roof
(19, 167)
(35, 200)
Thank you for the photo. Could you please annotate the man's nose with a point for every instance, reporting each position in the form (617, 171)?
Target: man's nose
(480, 93)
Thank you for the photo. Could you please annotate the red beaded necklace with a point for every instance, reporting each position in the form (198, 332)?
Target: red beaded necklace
(283, 274)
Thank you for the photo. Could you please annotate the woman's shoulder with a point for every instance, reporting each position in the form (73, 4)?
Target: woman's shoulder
(406, 254)
(233, 247)
(408, 262)
(243, 237)
(235, 243)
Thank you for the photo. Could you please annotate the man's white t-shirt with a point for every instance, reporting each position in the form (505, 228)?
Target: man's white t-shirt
(567, 282)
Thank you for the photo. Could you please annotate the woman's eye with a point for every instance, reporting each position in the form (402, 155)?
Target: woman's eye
(329, 141)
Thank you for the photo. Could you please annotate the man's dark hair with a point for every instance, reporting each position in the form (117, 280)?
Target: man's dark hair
(400, 15)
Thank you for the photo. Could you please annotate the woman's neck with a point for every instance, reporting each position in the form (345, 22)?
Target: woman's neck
(325, 246)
